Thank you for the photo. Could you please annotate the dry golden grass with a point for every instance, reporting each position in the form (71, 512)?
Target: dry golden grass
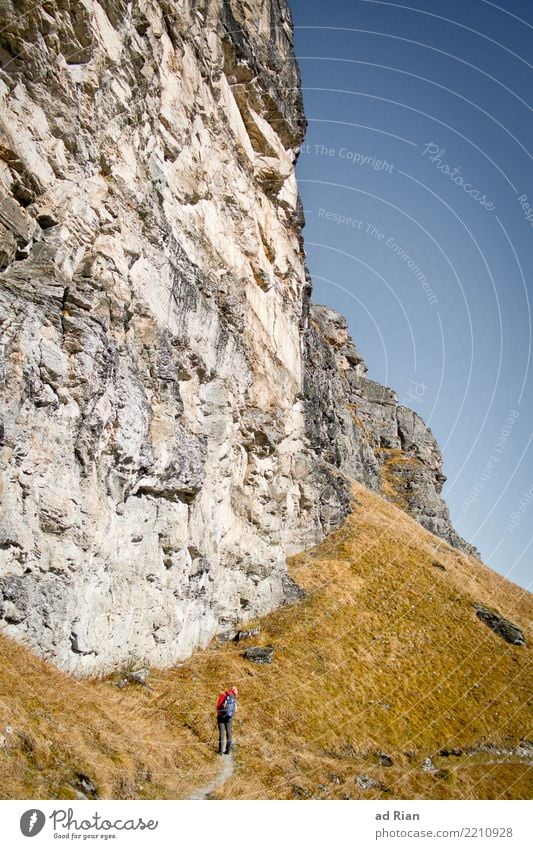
(393, 485)
(384, 654)
(58, 726)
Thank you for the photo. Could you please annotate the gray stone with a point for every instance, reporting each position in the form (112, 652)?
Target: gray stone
(87, 787)
(80, 796)
(366, 783)
(245, 635)
(503, 627)
(256, 654)
(139, 676)
(13, 218)
(291, 591)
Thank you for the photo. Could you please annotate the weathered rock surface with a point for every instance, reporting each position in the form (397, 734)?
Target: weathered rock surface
(259, 654)
(500, 625)
(364, 782)
(86, 786)
(155, 466)
(139, 676)
(176, 417)
(245, 635)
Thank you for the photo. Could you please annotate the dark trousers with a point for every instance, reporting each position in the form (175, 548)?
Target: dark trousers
(224, 728)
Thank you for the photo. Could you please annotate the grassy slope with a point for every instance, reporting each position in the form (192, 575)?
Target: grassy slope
(384, 654)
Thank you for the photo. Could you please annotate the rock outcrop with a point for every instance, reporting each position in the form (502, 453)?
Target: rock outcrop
(176, 417)
(357, 425)
(500, 625)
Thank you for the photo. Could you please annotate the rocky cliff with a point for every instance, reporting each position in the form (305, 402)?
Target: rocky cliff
(357, 425)
(176, 416)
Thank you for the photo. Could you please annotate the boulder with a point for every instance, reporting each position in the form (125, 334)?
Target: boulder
(139, 676)
(506, 630)
(244, 635)
(85, 786)
(259, 654)
(366, 783)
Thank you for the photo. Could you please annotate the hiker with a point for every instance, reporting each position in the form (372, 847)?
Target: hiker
(226, 707)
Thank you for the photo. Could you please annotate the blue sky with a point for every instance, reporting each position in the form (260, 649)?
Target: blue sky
(417, 182)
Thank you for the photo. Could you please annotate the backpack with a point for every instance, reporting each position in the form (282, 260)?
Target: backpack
(228, 707)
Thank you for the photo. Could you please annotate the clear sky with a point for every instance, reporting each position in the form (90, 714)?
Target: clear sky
(417, 183)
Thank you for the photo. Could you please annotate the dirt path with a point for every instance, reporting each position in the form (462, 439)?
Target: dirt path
(227, 767)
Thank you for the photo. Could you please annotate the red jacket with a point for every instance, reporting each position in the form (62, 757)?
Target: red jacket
(221, 699)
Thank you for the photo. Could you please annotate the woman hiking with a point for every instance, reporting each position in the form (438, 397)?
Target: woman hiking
(226, 707)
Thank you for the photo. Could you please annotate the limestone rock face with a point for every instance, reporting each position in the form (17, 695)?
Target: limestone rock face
(155, 465)
(175, 417)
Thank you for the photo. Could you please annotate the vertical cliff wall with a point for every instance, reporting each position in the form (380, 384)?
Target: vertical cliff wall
(176, 418)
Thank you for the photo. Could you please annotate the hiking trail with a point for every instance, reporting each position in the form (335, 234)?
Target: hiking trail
(226, 771)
